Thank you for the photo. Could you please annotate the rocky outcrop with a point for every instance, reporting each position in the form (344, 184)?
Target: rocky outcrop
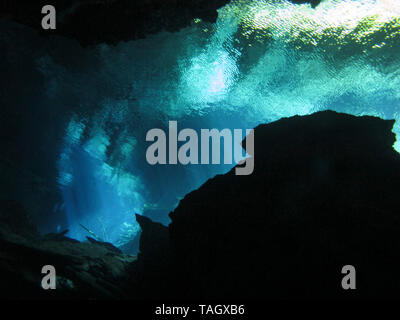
(151, 275)
(324, 194)
(91, 22)
(84, 270)
(111, 21)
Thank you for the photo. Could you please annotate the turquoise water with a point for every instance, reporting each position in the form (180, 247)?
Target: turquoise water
(261, 61)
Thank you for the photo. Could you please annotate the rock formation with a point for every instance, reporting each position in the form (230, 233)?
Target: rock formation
(323, 195)
(111, 21)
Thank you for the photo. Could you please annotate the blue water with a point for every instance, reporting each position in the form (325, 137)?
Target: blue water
(252, 66)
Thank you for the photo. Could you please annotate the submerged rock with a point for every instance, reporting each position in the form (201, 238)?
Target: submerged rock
(84, 270)
(104, 21)
(93, 22)
(323, 195)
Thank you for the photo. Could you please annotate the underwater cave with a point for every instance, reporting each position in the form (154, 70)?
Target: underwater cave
(78, 101)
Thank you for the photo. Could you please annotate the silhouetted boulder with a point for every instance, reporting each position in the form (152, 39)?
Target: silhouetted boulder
(323, 194)
(151, 274)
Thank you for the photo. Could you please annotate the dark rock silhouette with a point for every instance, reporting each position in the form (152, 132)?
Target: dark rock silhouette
(84, 270)
(151, 274)
(92, 22)
(323, 194)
